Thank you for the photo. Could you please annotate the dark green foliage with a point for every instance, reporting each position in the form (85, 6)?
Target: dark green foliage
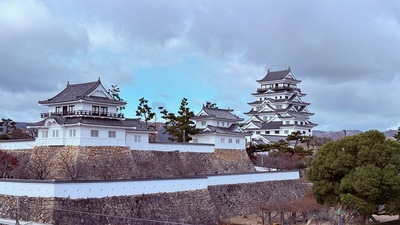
(211, 105)
(180, 126)
(397, 136)
(8, 130)
(7, 126)
(114, 92)
(360, 172)
(144, 110)
(282, 155)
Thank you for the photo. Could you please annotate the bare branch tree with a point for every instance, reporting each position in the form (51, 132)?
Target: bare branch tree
(40, 164)
(72, 168)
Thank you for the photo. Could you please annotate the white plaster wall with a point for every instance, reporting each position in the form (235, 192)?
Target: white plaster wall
(227, 145)
(91, 189)
(187, 147)
(143, 144)
(252, 177)
(102, 139)
(12, 145)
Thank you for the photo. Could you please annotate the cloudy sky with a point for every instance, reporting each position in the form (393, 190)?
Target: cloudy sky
(347, 54)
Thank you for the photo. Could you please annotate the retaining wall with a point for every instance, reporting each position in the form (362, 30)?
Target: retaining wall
(110, 163)
(204, 206)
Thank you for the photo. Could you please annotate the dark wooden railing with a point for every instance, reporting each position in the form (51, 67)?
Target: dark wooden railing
(83, 113)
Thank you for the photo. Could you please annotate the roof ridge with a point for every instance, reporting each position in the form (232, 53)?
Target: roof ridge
(95, 85)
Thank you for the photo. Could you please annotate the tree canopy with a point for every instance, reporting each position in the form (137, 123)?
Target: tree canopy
(360, 172)
(285, 154)
(114, 92)
(9, 130)
(144, 110)
(180, 126)
(211, 105)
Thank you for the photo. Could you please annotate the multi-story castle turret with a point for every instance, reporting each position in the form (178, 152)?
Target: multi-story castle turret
(278, 109)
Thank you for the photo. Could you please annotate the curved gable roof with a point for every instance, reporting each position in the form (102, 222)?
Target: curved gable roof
(74, 92)
(278, 75)
(217, 113)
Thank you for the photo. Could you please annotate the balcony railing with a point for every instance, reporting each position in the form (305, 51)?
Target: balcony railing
(88, 113)
(277, 88)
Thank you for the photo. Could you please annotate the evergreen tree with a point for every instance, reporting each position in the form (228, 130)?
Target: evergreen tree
(180, 126)
(114, 92)
(7, 126)
(211, 105)
(397, 136)
(144, 110)
(360, 172)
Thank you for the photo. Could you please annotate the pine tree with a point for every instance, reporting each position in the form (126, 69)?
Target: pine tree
(180, 126)
(144, 110)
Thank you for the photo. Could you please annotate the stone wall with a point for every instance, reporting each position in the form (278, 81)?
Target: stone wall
(30, 209)
(108, 163)
(204, 206)
(241, 199)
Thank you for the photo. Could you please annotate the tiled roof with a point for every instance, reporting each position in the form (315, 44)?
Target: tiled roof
(127, 123)
(220, 114)
(74, 92)
(271, 125)
(273, 138)
(275, 75)
(220, 130)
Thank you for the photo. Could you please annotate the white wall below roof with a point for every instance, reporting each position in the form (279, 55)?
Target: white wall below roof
(219, 143)
(100, 189)
(182, 147)
(11, 145)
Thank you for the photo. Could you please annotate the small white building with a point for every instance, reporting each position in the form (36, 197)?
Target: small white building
(220, 127)
(86, 114)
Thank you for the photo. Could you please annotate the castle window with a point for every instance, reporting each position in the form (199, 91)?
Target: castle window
(237, 141)
(71, 109)
(309, 130)
(137, 138)
(58, 109)
(217, 123)
(287, 122)
(72, 133)
(223, 123)
(295, 122)
(277, 132)
(95, 109)
(45, 134)
(55, 133)
(286, 131)
(222, 140)
(267, 132)
(278, 106)
(195, 140)
(104, 110)
(230, 140)
(304, 132)
(203, 123)
(112, 134)
(257, 132)
(94, 133)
